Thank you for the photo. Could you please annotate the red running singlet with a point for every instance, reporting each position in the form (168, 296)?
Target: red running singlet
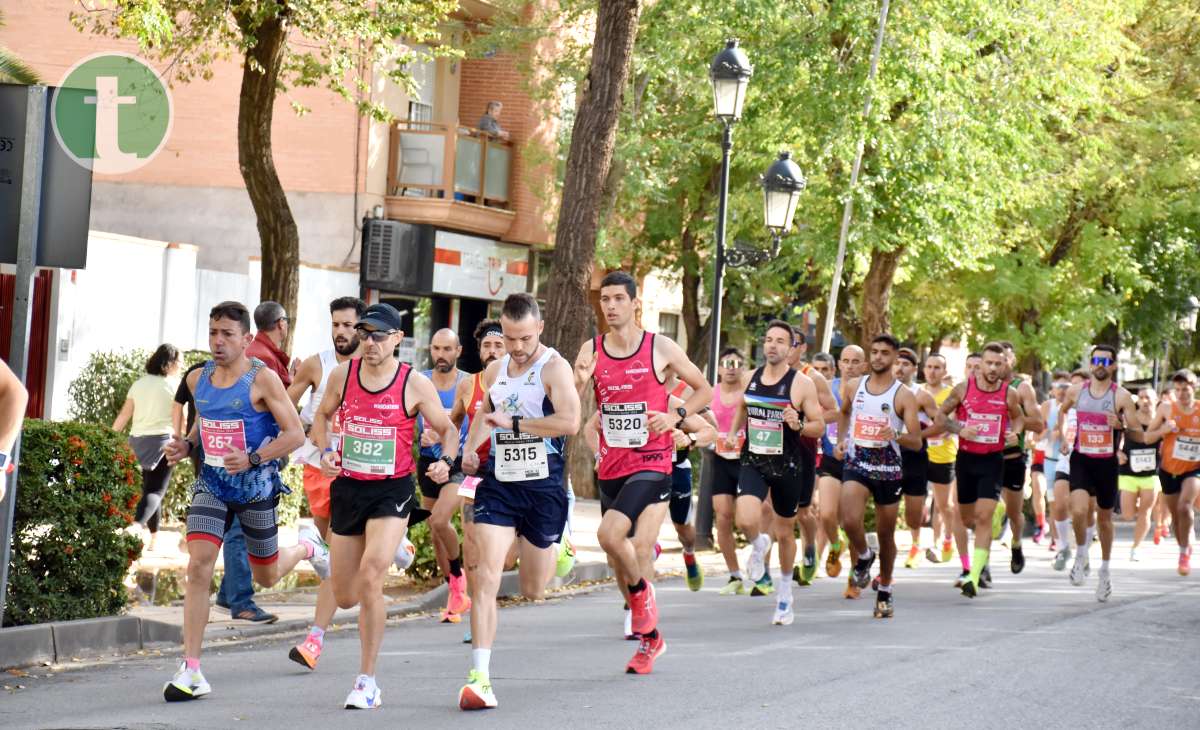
(377, 430)
(987, 411)
(627, 390)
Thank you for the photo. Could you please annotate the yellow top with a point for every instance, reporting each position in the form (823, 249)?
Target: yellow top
(943, 448)
(152, 396)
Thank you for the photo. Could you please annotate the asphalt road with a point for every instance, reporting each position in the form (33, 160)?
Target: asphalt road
(1032, 652)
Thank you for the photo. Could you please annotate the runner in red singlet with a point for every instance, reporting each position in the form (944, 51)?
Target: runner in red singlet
(628, 368)
(377, 399)
(984, 406)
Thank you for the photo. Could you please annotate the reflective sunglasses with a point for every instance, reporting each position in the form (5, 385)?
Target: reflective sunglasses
(377, 336)
(1102, 360)
(731, 364)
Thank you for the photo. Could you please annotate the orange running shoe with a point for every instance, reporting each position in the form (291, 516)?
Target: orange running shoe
(644, 610)
(306, 653)
(643, 659)
(852, 589)
(1185, 559)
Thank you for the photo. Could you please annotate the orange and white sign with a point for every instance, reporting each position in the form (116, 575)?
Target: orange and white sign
(478, 268)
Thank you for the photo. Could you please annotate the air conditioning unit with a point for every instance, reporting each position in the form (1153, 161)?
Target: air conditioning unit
(397, 257)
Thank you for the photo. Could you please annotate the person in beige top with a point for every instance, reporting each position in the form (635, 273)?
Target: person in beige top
(148, 408)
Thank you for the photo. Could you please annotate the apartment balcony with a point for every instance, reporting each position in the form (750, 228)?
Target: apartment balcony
(450, 177)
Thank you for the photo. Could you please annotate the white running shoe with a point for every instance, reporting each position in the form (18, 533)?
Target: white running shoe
(755, 567)
(1103, 587)
(362, 698)
(185, 685)
(1087, 564)
(1061, 558)
(320, 557)
(784, 615)
(1077, 570)
(406, 553)
(1133, 556)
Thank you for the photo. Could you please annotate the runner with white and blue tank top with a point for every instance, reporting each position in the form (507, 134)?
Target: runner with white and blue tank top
(530, 408)
(780, 406)
(878, 416)
(245, 426)
(444, 351)
(851, 364)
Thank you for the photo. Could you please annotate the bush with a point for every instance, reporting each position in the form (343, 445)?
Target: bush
(78, 486)
(99, 391)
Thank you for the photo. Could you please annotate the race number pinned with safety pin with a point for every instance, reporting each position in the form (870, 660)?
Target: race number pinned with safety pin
(221, 438)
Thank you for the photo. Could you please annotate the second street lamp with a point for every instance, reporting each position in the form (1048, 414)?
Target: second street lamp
(730, 75)
(782, 185)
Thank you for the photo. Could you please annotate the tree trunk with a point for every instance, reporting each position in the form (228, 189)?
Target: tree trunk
(593, 137)
(877, 293)
(277, 232)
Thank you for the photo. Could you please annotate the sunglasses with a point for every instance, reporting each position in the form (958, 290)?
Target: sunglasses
(377, 336)
(1102, 360)
(732, 364)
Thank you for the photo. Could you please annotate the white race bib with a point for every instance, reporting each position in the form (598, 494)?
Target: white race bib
(1186, 448)
(520, 458)
(1142, 460)
(624, 424)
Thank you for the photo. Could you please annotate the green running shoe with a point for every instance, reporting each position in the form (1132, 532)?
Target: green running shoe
(733, 588)
(695, 578)
(566, 558)
(764, 586)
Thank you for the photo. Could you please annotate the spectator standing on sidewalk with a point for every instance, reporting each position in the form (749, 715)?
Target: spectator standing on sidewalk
(148, 407)
(272, 323)
(236, 593)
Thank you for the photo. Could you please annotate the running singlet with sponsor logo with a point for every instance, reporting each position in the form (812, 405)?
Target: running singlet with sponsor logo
(771, 446)
(477, 394)
(1181, 449)
(868, 451)
(1094, 437)
(724, 416)
(447, 398)
(229, 423)
(534, 461)
(627, 391)
(943, 447)
(987, 412)
(377, 430)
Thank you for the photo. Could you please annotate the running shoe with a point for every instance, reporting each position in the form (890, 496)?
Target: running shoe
(643, 659)
(1077, 574)
(695, 578)
(1087, 564)
(932, 556)
(458, 601)
(185, 685)
(833, 560)
(985, 577)
(764, 587)
(451, 618)
(1185, 561)
(733, 588)
(783, 611)
(947, 551)
(1037, 535)
(1133, 555)
(1017, 564)
(862, 571)
(319, 561)
(644, 610)
(1053, 545)
(467, 636)
(566, 559)
(1158, 535)
(884, 605)
(852, 590)
(1061, 558)
(406, 553)
(361, 698)
(962, 578)
(806, 571)
(755, 567)
(477, 693)
(968, 587)
(307, 653)
(1103, 587)
(914, 556)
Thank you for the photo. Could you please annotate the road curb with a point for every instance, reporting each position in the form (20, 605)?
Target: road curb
(62, 641)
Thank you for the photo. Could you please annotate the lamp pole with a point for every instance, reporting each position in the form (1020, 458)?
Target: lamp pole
(714, 341)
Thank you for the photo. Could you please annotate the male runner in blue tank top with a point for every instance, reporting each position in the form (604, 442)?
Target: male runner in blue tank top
(245, 424)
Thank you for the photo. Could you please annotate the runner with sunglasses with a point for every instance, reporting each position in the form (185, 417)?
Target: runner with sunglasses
(1102, 408)
(725, 460)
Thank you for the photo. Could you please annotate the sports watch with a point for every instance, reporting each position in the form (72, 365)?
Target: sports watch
(255, 458)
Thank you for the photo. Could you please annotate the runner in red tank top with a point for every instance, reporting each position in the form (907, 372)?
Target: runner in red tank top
(377, 398)
(984, 406)
(627, 367)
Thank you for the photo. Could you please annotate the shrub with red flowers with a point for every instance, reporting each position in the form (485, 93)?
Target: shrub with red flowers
(78, 486)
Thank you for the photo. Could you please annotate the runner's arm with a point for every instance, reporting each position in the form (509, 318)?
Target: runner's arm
(13, 399)
(1029, 407)
(334, 387)
(736, 423)
(824, 394)
(123, 418)
(678, 362)
(1128, 409)
(564, 421)
(806, 399)
(926, 403)
(950, 405)
(591, 433)
(906, 403)
(585, 365)
(305, 378)
(1016, 414)
(462, 393)
(1158, 425)
(420, 390)
(1064, 408)
(274, 396)
(698, 426)
(844, 415)
(479, 431)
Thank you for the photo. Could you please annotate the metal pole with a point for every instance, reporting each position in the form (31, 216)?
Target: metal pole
(27, 235)
(848, 209)
(714, 318)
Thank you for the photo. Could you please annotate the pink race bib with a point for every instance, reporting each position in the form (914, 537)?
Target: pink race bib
(867, 428)
(220, 438)
(986, 425)
(1095, 435)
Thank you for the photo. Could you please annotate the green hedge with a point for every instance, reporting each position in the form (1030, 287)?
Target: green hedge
(78, 486)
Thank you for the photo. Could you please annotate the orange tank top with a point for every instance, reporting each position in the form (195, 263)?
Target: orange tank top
(1181, 449)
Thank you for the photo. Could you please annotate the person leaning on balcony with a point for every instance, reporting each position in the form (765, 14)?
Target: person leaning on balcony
(490, 121)
(148, 406)
(13, 398)
(272, 322)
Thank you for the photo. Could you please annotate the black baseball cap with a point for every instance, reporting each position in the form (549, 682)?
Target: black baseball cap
(381, 317)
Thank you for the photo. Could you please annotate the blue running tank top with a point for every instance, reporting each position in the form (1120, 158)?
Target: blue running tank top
(447, 398)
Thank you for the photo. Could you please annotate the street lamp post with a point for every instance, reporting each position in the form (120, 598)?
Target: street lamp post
(730, 75)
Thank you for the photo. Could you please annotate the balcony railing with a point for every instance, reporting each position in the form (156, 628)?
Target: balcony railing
(450, 163)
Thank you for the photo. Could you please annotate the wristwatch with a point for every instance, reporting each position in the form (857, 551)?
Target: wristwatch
(5, 463)
(683, 414)
(255, 458)
(516, 429)
(449, 462)
(692, 439)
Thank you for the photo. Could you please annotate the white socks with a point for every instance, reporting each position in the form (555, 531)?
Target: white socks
(480, 658)
(1064, 532)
